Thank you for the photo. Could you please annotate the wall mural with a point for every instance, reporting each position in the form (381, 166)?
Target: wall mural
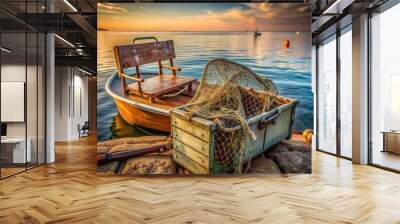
(194, 88)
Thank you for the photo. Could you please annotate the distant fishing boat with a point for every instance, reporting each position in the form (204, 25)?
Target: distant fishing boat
(146, 99)
(257, 32)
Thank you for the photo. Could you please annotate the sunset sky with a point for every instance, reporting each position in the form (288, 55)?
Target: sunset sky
(166, 17)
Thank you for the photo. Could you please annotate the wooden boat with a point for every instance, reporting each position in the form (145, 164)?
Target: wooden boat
(146, 99)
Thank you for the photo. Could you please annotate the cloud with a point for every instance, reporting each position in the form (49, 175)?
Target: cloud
(240, 17)
(110, 8)
(262, 15)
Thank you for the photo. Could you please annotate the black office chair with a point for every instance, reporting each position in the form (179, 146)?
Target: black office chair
(84, 130)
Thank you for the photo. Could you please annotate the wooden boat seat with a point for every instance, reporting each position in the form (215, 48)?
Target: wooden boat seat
(161, 84)
(130, 57)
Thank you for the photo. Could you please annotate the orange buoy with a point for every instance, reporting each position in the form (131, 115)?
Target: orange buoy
(308, 134)
(286, 43)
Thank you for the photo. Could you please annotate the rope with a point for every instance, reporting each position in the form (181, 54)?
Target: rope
(175, 94)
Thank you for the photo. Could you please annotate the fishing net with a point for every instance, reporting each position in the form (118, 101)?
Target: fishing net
(229, 94)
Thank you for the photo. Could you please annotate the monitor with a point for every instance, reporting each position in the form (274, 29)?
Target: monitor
(3, 129)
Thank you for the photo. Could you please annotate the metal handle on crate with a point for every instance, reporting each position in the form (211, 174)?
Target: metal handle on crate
(144, 38)
(270, 120)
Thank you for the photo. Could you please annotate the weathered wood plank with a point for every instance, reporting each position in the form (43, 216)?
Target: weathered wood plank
(198, 121)
(201, 132)
(197, 144)
(160, 84)
(138, 54)
(191, 153)
(189, 164)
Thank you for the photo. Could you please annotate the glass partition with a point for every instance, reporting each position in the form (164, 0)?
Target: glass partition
(32, 98)
(346, 93)
(385, 89)
(41, 97)
(22, 88)
(327, 96)
(14, 153)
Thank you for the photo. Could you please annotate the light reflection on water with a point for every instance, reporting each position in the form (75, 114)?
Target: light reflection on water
(290, 69)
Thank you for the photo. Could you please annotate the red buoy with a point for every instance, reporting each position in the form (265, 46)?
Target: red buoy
(286, 43)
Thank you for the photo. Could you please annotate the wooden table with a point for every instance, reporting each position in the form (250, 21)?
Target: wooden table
(391, 141)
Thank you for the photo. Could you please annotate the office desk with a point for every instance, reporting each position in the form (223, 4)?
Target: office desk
(13, 150)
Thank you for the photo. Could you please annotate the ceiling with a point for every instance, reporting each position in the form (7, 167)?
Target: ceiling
(333, 15)
(74, 22)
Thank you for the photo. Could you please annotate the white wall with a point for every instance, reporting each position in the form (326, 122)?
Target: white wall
(61, 103)
(14, 73)
(33, 127)
(71, 102)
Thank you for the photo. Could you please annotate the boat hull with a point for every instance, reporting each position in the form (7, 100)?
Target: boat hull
(144, 118)
(137, 110)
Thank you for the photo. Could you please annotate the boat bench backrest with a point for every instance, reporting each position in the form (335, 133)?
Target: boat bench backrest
(129, 56)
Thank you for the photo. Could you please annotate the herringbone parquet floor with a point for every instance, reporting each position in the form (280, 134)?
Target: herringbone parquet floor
(69, 191)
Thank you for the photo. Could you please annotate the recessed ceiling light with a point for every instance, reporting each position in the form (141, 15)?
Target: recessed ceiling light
(64, 40)
(70, 5)
(84, 71)
(5, 50)
(337, 7)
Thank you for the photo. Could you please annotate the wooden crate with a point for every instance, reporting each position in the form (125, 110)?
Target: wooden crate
(194, 139)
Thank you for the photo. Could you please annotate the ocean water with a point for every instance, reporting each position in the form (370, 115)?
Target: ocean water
(289, 68)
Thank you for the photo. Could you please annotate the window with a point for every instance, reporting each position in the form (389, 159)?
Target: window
(327, 96)
(22, 76)
(346, 93)
(385, 89)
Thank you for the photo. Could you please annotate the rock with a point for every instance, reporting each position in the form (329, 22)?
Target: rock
(261, 164)
(291, 156)
(293, 161)
(181, 170)
(297, 145)
(278, 148)
(150, 164)
(102, 149)
(108, 168)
